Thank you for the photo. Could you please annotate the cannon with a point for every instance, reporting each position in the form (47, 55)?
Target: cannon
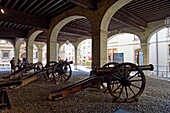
(57, 72)
(4, 100)
(125, 82)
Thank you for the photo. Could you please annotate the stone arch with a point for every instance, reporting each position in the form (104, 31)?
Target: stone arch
(30, 45)
(150, 30)
(79, 61)
(124, 43)
(54, 33)
(62, 51)
(159, 51)
(58, 27)
(33, 36)
(110, 12)
(100, 31)
(152, 33)
(18, 44)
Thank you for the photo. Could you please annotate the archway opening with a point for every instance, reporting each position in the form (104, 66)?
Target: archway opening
(124, 47)
(6, 54)
(159, 52)
(67, 52)
(85, 53)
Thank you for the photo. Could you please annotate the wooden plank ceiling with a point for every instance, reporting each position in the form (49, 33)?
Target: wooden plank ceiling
(22, 15)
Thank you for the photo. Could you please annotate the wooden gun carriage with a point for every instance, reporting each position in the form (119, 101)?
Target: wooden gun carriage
(57, 72)
(125, 82)
(4, 100)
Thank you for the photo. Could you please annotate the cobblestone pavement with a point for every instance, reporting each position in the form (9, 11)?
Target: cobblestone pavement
(32, 98)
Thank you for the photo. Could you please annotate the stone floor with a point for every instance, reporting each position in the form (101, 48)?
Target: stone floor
(32, 98)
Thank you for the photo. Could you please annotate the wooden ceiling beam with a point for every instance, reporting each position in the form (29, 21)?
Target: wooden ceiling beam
(23, 19)
(75, 31)
(88, 4)
(7, 38)
(129, 19)
(12, 33)
(133, 17)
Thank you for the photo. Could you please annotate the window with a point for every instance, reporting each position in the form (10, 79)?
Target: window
(5, 54)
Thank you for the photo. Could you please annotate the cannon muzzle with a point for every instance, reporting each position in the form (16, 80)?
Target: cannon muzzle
(147, 67)
(6, 83)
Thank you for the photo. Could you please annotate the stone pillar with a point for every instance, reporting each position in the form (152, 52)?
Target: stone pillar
(17, 50)
(57, 51)
(144, 47)
(40, 46)
(51, 51)
(99, 48)
(75, 61)
(103, 47)
(96, 50)
(40, 55)
(29, 52)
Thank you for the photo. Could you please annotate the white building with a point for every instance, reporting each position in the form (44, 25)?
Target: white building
(159, 52)
(125, 43)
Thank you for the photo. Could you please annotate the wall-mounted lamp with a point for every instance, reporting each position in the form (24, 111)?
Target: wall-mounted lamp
(2, 11)
(67, 41)
(167, 21)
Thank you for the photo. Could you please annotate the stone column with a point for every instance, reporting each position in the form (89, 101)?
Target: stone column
(29, 52)
(144, 47)
(99, 48)
(75, 61)
(51, 51)
(57, 51)
(103, 47)
(96, 50)
(40, 46)
(40, 55)
(17, 50)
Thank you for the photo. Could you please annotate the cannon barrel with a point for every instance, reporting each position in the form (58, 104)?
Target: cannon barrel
(147, 67)
(106, 70)
(10, 83)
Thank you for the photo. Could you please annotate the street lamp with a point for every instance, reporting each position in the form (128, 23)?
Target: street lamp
(67, 41)
(167, 21)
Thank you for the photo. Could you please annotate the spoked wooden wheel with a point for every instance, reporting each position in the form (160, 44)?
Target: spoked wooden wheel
(50, 65)
(62, 72)
(38, 67)
(104, 85)
(126, 82)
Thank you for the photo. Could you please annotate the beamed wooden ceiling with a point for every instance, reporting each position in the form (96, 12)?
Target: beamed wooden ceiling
(22, 15)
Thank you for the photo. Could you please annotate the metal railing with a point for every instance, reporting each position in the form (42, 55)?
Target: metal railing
(163, 71)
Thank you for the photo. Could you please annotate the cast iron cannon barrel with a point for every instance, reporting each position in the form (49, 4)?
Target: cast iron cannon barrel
(147, 67)
(106, 70)
(7, 83)
(100, 71)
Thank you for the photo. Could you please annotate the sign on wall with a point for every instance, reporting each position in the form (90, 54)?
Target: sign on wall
(140, 57)
(118, 57)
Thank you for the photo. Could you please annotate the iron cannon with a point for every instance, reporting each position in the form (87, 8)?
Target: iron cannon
(125, 82)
